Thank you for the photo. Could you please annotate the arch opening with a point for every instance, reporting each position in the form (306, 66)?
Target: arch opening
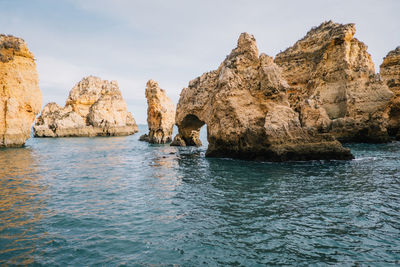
(189, 130)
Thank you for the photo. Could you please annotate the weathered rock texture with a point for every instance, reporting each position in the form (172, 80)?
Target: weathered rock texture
(160, 115)
(390, 73)
(333, 84)
(20, 95)
(244, 104)
(94, 107)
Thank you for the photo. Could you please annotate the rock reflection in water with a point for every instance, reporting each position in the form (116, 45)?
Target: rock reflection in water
(21, 203)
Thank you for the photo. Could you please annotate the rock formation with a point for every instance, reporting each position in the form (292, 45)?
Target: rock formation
(160, 115)
(94, 107)
(333, 84)
(20, 95)
(390, 73)
(244, 104)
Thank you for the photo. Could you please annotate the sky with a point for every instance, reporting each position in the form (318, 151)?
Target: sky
(173, 41)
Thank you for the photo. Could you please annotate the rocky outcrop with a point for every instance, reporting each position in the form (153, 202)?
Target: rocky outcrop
(160, 115)
(94, 107)
(333, 84)
(244, 104)
(20, 95)
(390, 73)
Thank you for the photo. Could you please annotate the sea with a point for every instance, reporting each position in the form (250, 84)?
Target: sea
(117, 201)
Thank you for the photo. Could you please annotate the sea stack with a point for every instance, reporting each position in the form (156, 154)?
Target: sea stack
(390, 73)
(95, 107)
(244, 104)
(160, 115)
(333, 84)
(20, 95)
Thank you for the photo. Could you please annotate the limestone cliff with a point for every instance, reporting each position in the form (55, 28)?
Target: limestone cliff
(244, 104)
(94, 107)
(333, 70)
(160, 115)
(20, 95)
(390, 73)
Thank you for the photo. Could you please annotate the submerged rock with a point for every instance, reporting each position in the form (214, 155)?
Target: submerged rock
(334, 70)
(20, 95)
(390, 73)
(244, 104)
(94, 107)
(160, 115)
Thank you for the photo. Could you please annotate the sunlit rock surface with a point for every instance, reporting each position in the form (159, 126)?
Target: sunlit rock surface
(20, 95)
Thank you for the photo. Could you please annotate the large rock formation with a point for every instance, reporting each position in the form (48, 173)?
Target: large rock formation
(20, 95)
(160, 115)
(334, 86)
(244, 104)
(390, 73)
(94, 107)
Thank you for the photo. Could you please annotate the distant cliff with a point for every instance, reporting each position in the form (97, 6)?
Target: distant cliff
(94, 107)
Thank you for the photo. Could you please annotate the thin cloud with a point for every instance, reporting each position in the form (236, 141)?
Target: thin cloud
(173, 41)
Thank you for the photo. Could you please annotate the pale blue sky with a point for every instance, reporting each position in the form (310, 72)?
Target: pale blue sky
(173, 41)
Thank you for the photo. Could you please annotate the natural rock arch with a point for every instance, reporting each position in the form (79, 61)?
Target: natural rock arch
(244, 104)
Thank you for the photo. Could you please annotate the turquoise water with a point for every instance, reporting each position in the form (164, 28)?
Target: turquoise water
(120, 202)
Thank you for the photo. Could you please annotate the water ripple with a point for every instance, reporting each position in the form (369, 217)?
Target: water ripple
(118, 201)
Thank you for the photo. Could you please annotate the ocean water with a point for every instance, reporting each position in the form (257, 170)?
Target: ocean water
(119, 202)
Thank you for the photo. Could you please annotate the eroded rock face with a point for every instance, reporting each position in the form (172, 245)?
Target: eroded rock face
(334, 70)
(244, 104)
(94, 107)
(160, 115)
(20, 95)
(390, 73)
